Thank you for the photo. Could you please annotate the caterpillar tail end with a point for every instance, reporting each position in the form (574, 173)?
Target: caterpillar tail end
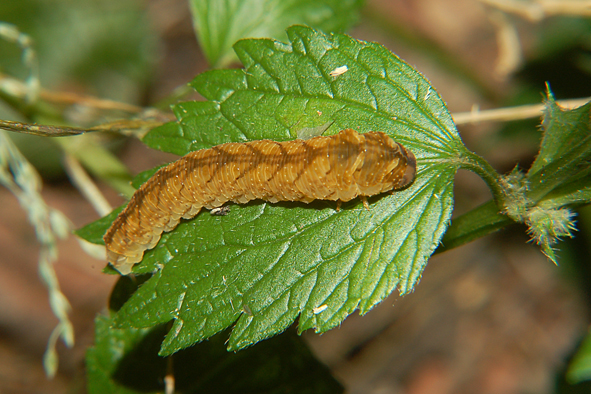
(121, 263)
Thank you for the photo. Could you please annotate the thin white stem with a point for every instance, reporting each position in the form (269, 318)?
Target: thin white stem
(511, 113)
(86, 186)
(536, 10)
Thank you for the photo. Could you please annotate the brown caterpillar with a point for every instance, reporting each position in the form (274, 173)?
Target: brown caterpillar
(339, 167)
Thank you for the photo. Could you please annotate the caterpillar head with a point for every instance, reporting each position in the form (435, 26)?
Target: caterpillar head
(410, 171)
(387, 165)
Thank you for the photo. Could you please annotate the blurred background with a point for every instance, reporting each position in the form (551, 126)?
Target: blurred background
(494, 316)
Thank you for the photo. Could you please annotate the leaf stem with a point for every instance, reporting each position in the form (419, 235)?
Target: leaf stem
(473, 162)
(472, 225)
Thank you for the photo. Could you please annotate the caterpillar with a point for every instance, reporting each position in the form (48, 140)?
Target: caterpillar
(340, 167)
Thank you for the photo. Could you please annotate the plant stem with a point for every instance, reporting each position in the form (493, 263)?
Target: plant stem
(473, 162)
(472, 225)
(508, 114)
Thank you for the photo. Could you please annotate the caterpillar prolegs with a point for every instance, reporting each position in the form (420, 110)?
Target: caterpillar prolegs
(340, 167)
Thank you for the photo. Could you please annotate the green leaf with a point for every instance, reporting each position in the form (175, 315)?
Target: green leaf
(562, 169)
(94, 231)
(127, 361)
(109, 350)
(262, 265)
(573, 193)
(560, 176)
(579, 369)
(220, 23)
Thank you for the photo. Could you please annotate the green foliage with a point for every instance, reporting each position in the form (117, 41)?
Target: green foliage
(220, 23)
(542, 198)
(580, 368)
(127, 361)
(107, 43)
(249, 275)
(560, 176)
(109, 349)
(263, 264)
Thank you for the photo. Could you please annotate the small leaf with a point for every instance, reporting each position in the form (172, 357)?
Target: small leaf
(563, 130)
(548, 226)
(219, 24)
(111, 346)
(579, 369)
(127, 361)
(562, 170)
(560, 176)
(262, 265)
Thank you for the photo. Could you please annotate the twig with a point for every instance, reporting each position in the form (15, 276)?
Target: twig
(42, 130)
(86, 186)
(88, 101)
(512, 113)
(17, 88)
(536, 10)
(155, 118)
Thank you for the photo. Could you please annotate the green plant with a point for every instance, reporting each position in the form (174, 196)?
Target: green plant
(263, 266)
